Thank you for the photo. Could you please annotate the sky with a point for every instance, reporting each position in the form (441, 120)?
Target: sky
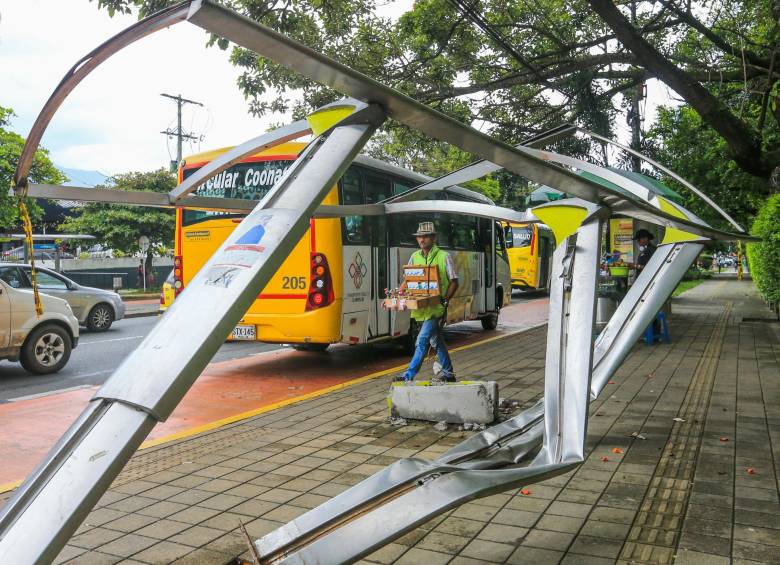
(111, 121)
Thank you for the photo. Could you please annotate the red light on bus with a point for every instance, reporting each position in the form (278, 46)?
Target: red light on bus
(178, 275)
(320, 283)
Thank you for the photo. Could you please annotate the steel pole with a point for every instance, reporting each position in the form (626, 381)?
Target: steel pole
(636, 311)
(569, 345)
(50, 505)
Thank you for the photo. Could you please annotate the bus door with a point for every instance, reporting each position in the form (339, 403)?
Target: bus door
(357, 305)
(489, 242)
(377, 189)
(544, 258)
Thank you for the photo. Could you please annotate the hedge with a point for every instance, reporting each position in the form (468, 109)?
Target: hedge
(764, 257)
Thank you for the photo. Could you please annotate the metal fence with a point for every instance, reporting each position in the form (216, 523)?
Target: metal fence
(117, 277)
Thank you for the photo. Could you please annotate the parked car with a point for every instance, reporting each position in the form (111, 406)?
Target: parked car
(42, 345)
(167, 293)
(17, 254)
(100, 251)
(95, 308)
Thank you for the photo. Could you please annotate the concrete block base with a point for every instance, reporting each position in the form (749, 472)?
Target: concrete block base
(463, 402)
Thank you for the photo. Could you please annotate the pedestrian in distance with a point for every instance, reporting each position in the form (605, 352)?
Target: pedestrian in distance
(432, 318)
(644, 240)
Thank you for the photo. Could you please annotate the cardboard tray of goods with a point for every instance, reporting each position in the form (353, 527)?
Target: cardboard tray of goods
(422, 289)
(411, 302)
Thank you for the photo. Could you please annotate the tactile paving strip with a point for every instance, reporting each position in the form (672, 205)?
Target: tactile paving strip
(656, 529)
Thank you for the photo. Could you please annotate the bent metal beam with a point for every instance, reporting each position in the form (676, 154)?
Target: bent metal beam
(51, 503)
(150, 382)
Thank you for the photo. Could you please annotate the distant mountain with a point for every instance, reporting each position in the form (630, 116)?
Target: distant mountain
(80, 177)
(56, 210)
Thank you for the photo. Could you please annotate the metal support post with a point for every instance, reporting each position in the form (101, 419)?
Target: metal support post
(148, 385)
(569, 344)
(412, 491)
(636, 311)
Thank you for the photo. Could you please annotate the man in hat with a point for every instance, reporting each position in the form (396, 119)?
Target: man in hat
(431, 319)
(644, 240)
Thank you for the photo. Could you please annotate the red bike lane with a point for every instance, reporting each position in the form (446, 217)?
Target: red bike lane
(228, 391)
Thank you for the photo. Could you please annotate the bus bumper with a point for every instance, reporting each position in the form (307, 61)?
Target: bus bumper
(317, 326)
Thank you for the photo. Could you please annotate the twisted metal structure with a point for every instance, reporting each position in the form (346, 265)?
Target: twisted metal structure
(543, 441)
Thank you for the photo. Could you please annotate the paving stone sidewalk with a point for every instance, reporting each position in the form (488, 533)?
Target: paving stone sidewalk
(708, 405)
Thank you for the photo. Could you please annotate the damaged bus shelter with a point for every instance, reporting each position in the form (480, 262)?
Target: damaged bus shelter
(541, 442)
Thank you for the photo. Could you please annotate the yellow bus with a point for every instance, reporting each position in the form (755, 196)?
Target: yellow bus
(530, 251)
(331, 286)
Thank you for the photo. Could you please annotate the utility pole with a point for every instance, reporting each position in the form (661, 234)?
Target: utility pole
(634, 117)
(179, 133)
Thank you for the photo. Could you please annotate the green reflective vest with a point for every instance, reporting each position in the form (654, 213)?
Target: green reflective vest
(439, 258)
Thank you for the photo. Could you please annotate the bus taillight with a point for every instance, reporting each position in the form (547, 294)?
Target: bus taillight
(320, 283)
(178, 275)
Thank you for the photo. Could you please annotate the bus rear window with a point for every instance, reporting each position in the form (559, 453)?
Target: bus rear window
(245, 181)
(521, 236)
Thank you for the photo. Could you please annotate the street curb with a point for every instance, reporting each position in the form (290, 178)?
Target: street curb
(136, 297)
(141, 314)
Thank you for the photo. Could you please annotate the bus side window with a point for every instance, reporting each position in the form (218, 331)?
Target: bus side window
(464, 233)
(444, 228)
(400, 188)
(402, 226)
(377, 188)
(355, 227)
(500, 243)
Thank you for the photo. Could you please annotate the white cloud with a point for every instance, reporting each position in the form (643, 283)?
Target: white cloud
(111, 121)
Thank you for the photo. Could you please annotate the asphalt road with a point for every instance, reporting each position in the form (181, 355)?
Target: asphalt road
(98, 354)
(96, 357)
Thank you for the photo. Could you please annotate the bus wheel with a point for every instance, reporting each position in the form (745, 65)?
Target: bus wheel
(315, 347)
(490, 322)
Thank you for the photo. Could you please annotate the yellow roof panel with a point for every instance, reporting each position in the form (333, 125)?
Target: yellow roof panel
(289, 148)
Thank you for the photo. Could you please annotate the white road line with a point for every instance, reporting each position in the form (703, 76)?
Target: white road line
(95, 374)
(48, 393)
(115, 339)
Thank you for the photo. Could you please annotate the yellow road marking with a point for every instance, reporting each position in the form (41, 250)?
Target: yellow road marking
(275, 406)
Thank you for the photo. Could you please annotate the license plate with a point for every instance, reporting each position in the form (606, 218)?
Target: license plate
(244, 332)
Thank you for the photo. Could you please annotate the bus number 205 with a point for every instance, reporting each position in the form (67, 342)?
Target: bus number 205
(297, 283)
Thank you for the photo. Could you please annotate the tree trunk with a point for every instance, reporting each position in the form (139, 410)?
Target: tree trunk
(742, 141)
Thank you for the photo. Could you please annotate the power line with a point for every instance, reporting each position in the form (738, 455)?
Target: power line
(469, 12)
(179, 133)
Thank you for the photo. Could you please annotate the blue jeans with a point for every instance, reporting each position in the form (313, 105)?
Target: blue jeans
(430, 332)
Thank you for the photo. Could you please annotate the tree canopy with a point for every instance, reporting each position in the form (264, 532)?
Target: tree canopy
(118, 226)
(514, 68)
(42, 171)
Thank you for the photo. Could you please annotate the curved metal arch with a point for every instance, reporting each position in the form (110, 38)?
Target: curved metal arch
(668, 171)
(320, 68)
(260, 143)
(82, 68)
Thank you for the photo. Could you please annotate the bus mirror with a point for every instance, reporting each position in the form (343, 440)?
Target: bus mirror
(508, 236)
